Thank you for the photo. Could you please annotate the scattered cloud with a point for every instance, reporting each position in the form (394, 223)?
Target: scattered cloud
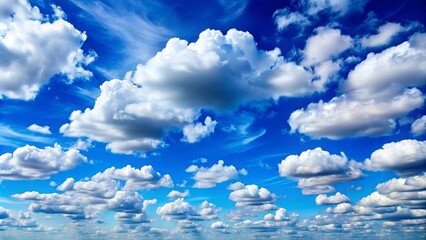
(254, 197)
(181, 210)
(177, 194)
(284, 18)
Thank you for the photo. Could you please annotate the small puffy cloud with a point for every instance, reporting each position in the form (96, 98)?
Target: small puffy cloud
(253, 196)
(384, 35)
(35, 49)
(218, 173)
(194, 132)
(177, 194)
(418, 127)
(341, 208)
(327, 44)
(39, 129)
(219, 225)
(317, 169)
(406, 157)
(236, 186)
(372, 100)
(181, 210)
(129, 117)
(281, 215)
(323, 199)
(30, 162)
(284, 18)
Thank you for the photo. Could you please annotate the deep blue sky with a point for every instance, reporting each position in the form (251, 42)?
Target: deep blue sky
(222, 119)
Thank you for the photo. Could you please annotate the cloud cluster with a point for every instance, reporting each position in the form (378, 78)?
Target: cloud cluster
(316, 170)
(85, 199)
(218, 173)
(406, 157)
(169, 90)
(30, 162)
(371, 100)
(34, 49)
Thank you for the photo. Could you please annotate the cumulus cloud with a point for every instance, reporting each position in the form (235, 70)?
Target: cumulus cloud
(406, 157)
(194, 132)
(327, 44)
(30, 162)
(372, 100)
(218, 173)
(253, 196)
(323, 199)
(177, 194)
(418, 127)
(341, 208)
(317, 169)
(284, 18)
(181, 210)
(384, 35)
(35, 49)
(39, 129)
(219, 225)
(169, 90)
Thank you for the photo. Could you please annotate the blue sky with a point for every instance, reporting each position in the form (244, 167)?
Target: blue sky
(222, 119)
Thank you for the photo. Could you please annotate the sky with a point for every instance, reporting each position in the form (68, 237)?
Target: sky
(221, 119)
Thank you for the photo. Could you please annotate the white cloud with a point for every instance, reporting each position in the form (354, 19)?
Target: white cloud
(82, 144)
(323, 199)
(285, 18)
(39, 129)
(35, 49)
(253, 196)
(182, 79)
(195, 132)
(181, 210)
(136, 179)
(338, 7)
(177, 194)
(384, 35)
(410, 184)
(317, 169)
(30, 162)
(327, 44)
(343, 208)
(372, 100)
(209, 177)
(219, 225)
(236, 186)
(406, 157)
(418, 127)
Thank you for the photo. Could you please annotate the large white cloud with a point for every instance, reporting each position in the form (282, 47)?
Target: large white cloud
(372, 100)
(218, 173)
(406, 157)
(327, 44)
(35, 49)
(169, 90)
(317, 169)
(30, 162)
